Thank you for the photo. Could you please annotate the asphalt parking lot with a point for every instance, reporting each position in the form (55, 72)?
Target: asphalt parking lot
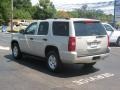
(31, 74)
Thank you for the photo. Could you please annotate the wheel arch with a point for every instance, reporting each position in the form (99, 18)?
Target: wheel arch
(14, 41)
(117, 39)
(51, 48)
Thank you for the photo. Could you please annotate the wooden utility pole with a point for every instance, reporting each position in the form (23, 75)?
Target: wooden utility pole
(11, 15)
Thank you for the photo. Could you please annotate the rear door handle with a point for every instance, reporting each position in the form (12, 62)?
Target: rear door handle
(44, 39)
(31, 39)
(100, 36)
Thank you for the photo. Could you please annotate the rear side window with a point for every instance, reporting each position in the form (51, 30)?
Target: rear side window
(61, 28)
(89, 29)
(43, 28)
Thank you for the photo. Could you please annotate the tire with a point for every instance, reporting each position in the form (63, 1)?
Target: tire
(53, 61)
(118, 42)
(89, 64)
(16, 51)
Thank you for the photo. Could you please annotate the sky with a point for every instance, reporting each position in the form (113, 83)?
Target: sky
(60, 4)
(77, 1)
(57, 2)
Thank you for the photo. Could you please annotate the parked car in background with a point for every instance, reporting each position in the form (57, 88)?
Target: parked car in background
(21, 22)
(0, 28)
(114, 34)
(24, 23)
(71, 41)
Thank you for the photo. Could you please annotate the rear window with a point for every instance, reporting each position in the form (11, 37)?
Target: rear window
(61, 28)
(89, 29)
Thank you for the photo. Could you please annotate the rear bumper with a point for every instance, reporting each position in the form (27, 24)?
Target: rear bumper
(71, 58)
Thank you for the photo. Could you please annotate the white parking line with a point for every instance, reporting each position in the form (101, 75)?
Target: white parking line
(4, 48)
(115, 47)
(91, 79)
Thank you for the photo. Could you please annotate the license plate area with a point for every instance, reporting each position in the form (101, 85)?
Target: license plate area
(96, 58)
(93, 45)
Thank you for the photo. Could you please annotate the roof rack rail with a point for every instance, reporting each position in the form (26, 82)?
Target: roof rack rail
(67, 18)
(55, 18)
(61, 18)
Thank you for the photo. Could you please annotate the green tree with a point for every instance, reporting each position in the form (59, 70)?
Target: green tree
(74, 14)
(45, 9)
(93, 14)
(63, 14)
(21, 14)
(22, 4)
(5, 10)
(22, 9)
(84, 7)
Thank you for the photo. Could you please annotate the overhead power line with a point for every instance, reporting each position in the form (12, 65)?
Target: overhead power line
(98, 5)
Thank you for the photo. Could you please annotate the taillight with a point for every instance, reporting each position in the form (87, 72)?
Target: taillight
(72, 44)
(88, 22)
(108, 44)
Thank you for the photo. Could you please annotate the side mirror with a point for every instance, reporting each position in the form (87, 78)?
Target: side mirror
(22, 31)
(112, 30)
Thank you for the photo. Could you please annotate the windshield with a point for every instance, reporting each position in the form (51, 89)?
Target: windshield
(89, 28)
(108, 27)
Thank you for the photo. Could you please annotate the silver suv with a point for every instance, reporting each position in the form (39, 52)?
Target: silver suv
(71, 41)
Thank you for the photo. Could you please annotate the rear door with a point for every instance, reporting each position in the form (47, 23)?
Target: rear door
(60, 36)
(91, 38)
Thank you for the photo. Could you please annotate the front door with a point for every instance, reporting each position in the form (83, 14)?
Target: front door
(27, 39)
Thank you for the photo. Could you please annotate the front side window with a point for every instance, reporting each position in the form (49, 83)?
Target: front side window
(43, 28)
(108, 28)
(31, 29)
(61, 28)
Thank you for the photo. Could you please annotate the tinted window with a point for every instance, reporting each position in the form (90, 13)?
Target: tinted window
(61, 28)
(31, 29)
(43, 28)
(89, 29)
(108, 28)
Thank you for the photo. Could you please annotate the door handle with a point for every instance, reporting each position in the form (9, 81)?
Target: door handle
(100, 36)
(31, 38)
(44, 39)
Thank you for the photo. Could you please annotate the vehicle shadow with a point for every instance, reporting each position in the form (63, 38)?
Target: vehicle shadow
(68, 70)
